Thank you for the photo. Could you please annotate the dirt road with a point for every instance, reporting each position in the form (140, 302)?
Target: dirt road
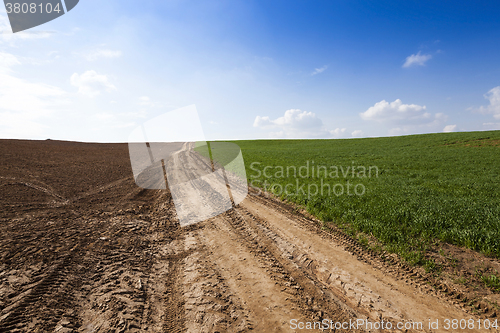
(83, 249)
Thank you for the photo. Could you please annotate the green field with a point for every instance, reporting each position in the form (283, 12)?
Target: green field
(428, 188)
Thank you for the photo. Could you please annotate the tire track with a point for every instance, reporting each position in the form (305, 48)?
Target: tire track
(50, 297)
(406, 281)
(389, 263)
(315, 302)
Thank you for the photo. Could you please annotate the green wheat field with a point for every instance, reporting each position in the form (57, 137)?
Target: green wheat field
(422, 188)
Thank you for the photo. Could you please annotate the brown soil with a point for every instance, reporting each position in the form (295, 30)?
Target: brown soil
(83, 249)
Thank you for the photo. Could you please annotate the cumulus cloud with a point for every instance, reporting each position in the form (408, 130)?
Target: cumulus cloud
(293, 118)
(405, 118)
(23, 104)
(319, 70)
(494, 108)
(98, 54)
(416, 60)
(295, 123)
(336, 133)
(357, 134)
(384, 111)
(449, 128)
(91, 84)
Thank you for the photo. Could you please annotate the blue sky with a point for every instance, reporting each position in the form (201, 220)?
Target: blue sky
(254, 69)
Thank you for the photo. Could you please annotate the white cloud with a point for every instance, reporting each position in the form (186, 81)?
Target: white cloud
(90, 83)
(97, 54)
(337, 132)
(494, 108)
(357, 133)
(406, 118)
(22, 103)
(449, 128)
(295, 123)
(293, 118)
(385, 111)
(319, 70)
(416, 60)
